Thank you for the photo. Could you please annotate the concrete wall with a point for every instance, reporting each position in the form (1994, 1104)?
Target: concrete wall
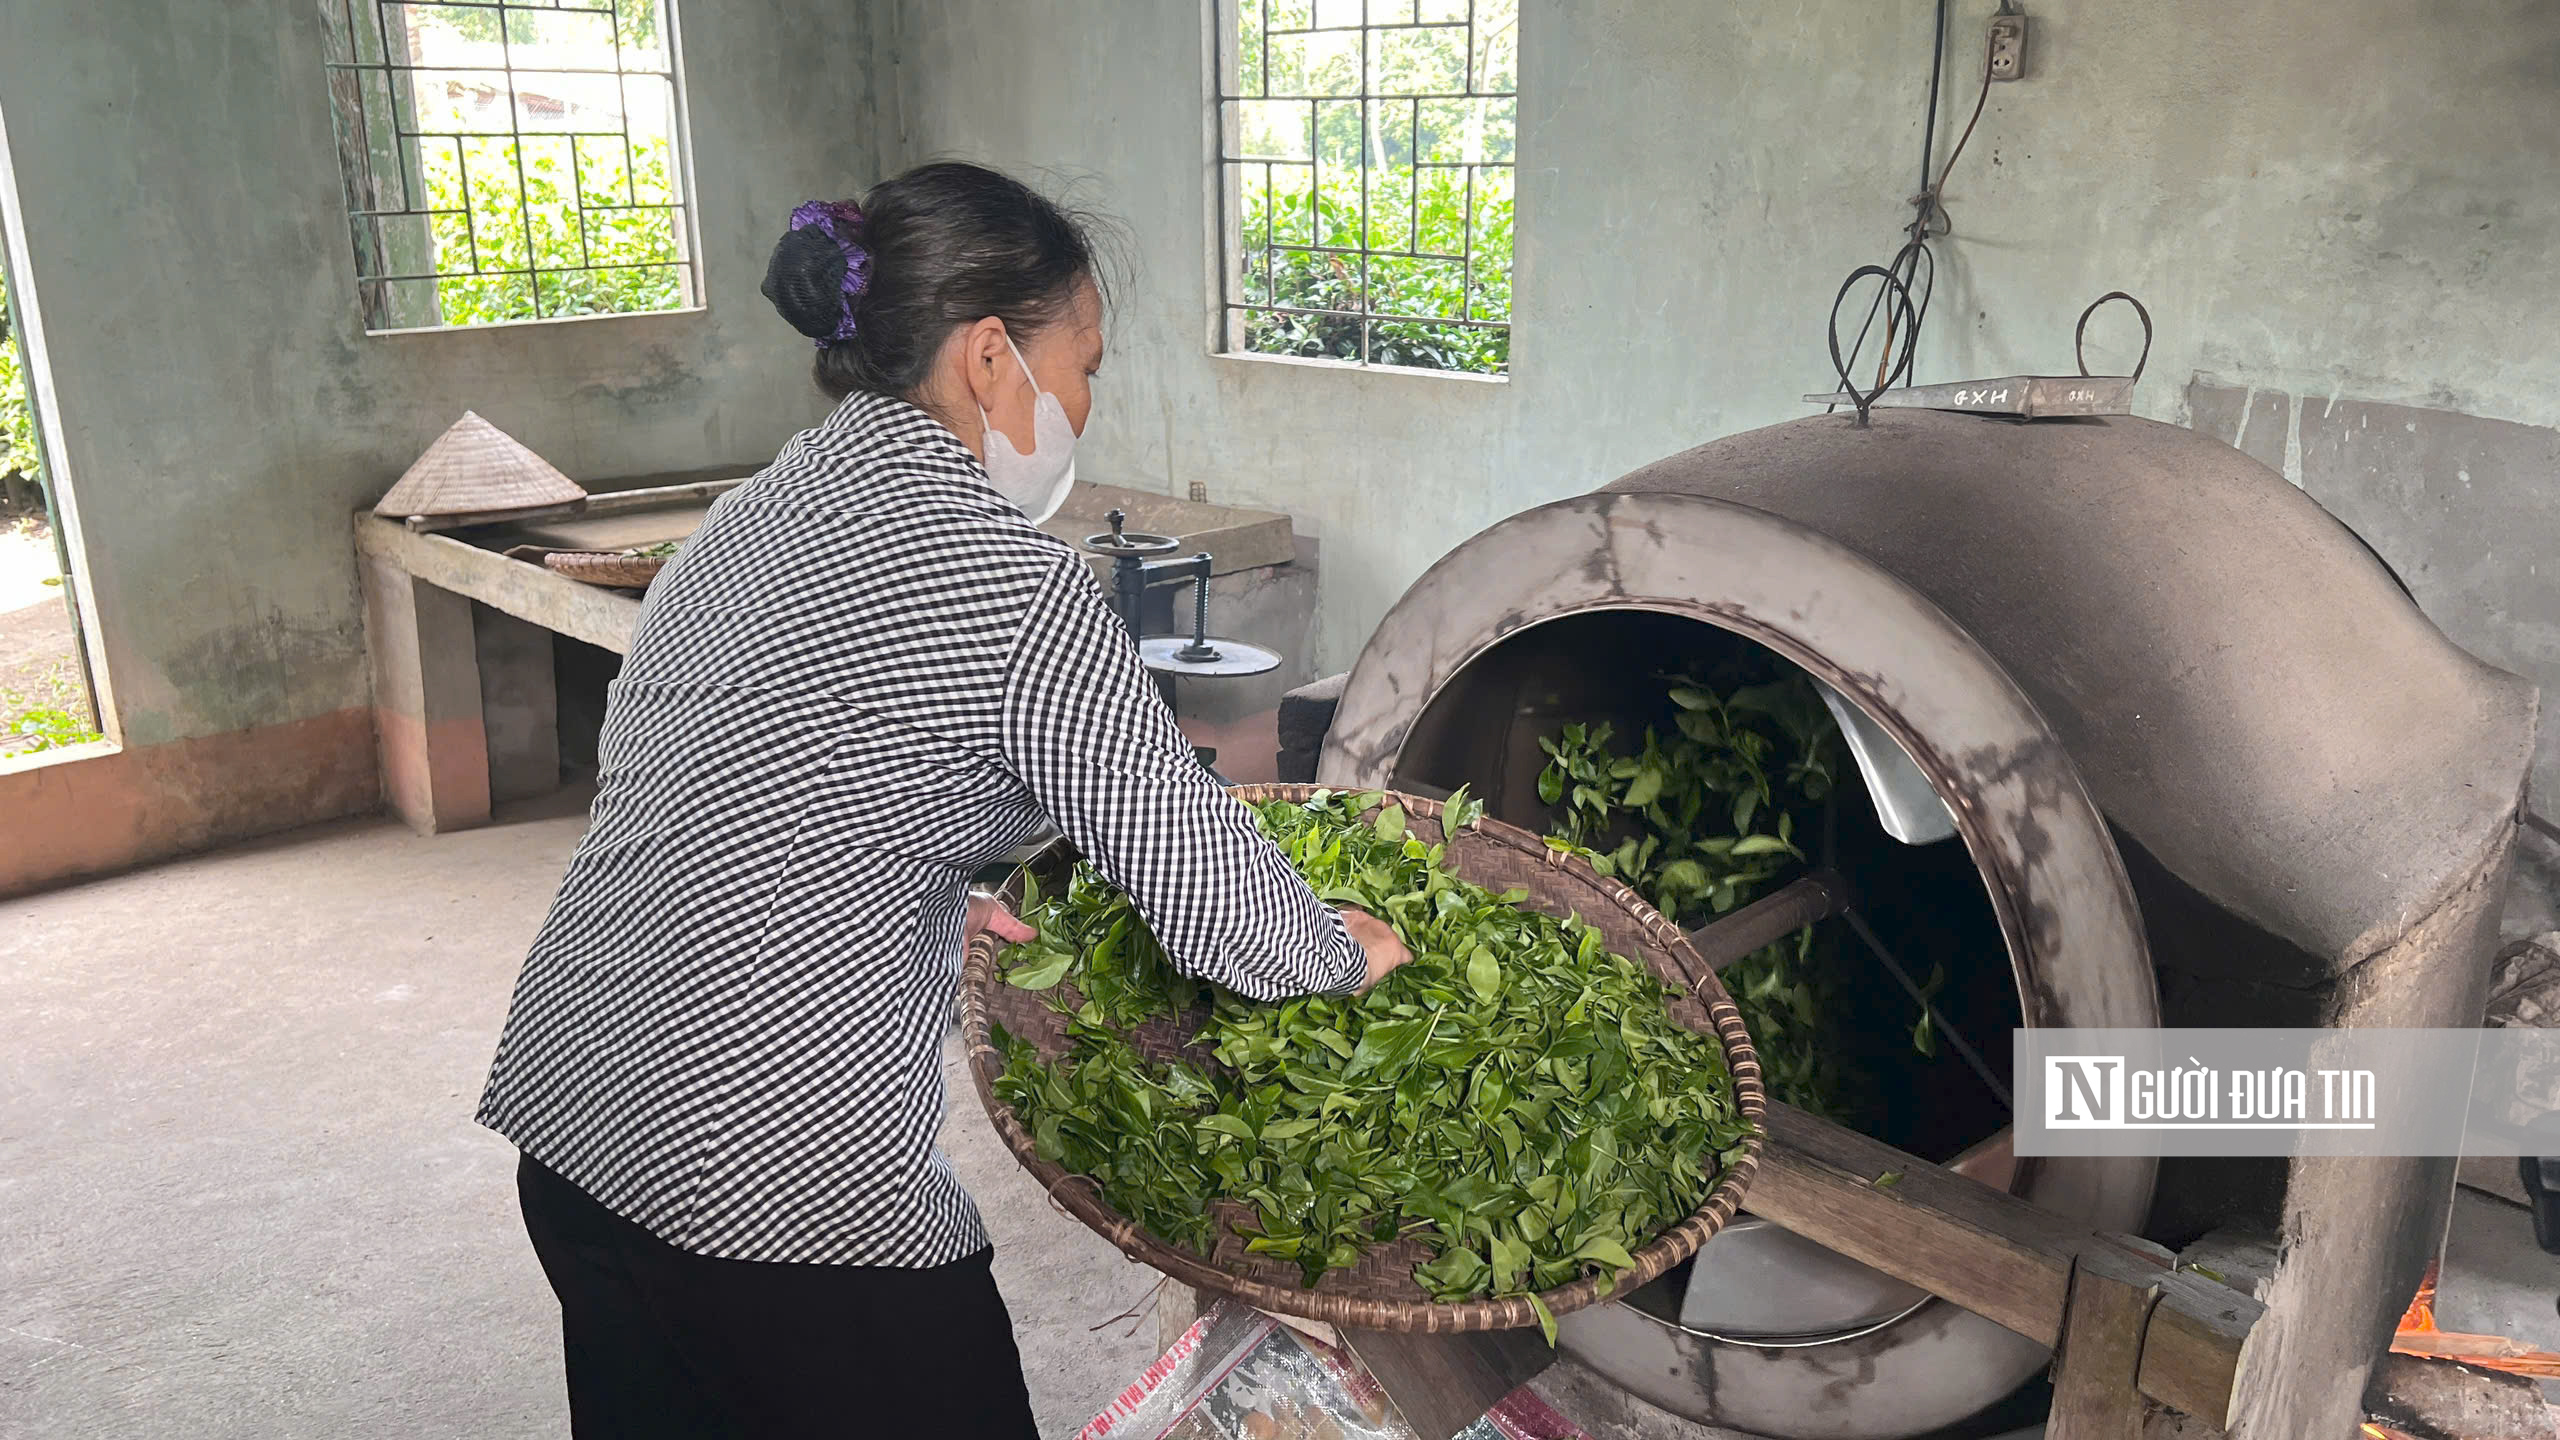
(218, 411)
(2352, 199)
(2349, 202)
(2463, 510)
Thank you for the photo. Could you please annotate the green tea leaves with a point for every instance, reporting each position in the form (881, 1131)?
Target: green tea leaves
(1924, 1031)
(1388, 1047)
(1230, 1126)
(1700, 819)
(1644, 788)
(1518, 1098)
(1682, 877)
(1461, 812)
(1458, 1272)
(1043, 972)
(1390, 823)
(1606, 1251)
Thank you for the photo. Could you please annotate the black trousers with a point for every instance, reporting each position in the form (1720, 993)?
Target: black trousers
(664, 1343)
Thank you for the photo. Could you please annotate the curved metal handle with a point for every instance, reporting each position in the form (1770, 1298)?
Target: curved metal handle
(1909, 325)
(2081, 330)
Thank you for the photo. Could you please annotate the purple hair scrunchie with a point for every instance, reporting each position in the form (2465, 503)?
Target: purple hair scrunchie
(840, 221)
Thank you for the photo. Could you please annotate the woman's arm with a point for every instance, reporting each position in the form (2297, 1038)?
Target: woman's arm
(1085, 730)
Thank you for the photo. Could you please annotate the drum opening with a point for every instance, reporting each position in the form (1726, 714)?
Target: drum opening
(1926, 903)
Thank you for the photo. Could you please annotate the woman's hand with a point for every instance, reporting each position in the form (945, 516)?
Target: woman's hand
(987, 913)
(1378, 940)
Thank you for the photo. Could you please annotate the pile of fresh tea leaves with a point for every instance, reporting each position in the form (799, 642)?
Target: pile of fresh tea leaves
(1707, 818)
(1517, 1095)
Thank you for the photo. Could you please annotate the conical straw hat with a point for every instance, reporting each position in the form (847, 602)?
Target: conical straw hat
(475, 468)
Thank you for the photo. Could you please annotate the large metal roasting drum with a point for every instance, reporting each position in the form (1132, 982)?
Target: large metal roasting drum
(2206, 763)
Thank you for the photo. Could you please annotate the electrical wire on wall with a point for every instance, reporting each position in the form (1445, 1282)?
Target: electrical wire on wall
(1911, 277)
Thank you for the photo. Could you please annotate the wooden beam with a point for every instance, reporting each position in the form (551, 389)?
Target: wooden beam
(2191, 1353)
(2095, 1392)
(1996, 1255)
(1771, 918)
(1992, 1253)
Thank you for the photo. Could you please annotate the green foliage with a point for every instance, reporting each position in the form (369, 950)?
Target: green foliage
(48, 729)
(1517, 1097)
(1406, 208)
(540, 226)
(594, 215)
(635, 20)
(55, 715)
(1704, 820)
(1307, 279)
(17, 415)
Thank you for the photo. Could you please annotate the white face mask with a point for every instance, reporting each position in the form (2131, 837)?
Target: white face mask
(1038, 481)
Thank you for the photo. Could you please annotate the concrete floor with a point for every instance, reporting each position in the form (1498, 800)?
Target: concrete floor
(241, 1196)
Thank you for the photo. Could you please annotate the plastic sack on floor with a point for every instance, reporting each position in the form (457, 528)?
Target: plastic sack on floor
(1238, 1374)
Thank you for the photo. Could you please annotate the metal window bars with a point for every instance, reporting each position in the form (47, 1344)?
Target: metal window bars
(510, 159)
(1296, 277)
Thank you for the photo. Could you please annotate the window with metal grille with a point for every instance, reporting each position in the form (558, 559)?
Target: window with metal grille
(510, 159)
(1365, 177)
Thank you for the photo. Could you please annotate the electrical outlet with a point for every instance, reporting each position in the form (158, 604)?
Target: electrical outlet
(1199, 492)
(2008, 44)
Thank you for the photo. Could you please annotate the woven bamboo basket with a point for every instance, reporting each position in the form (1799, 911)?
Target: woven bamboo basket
(1380, 1293)
(607, 567)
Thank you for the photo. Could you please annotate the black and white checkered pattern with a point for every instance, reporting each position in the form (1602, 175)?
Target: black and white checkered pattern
(866, 677)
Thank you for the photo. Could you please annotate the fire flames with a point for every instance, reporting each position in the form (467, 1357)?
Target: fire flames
(2420, 1317)
(2418, 1335)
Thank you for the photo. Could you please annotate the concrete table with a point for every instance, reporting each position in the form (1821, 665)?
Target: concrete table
(461, 636)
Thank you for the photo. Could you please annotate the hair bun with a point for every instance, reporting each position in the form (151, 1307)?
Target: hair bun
(805, 282)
